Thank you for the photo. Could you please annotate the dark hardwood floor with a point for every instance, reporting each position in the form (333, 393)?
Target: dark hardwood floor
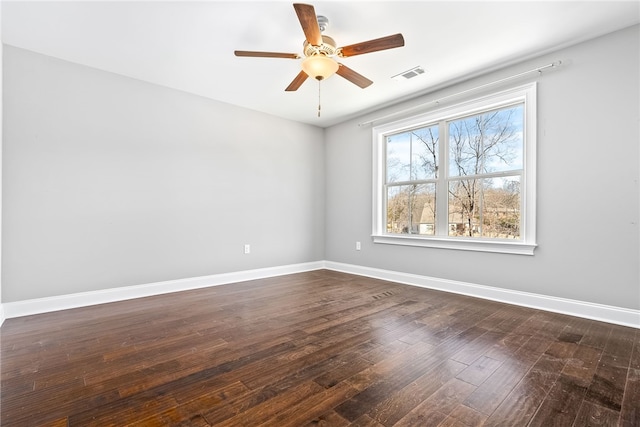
(317, 349)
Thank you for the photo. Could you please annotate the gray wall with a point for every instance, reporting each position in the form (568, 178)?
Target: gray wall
(109, 182)
(1, 106)
(587, 198)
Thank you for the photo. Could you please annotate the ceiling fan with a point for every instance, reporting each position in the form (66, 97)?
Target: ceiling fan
(320, 51)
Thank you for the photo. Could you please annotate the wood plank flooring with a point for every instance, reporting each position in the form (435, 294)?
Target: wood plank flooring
(317, 349)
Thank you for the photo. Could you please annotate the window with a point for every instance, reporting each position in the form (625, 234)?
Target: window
(461, 177)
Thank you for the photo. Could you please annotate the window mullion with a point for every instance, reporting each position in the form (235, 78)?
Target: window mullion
(411, 178)
(442, 190)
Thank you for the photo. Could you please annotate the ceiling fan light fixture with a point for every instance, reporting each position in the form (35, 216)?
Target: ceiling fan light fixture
(319, 66)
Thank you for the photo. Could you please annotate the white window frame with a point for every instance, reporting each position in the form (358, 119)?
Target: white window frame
(527, 242)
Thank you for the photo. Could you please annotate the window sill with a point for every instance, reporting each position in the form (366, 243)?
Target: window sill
(502, 246)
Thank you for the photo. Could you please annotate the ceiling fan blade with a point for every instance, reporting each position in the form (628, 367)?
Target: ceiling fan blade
(266, 54)
(383, 43)
(309, 21)
(297, 82)
(353, 77)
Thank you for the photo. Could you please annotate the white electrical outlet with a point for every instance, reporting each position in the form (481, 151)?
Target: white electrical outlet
(358, 246)
(247, 249)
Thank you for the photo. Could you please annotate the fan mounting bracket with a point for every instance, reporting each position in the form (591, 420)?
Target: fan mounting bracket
(323, 23)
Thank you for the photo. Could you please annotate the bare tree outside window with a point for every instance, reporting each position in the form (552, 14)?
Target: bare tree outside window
(485, 165)
(412, 168)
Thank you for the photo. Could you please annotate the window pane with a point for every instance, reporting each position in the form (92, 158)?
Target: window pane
(398, 157)
(411, 209)
(424, 209)
(412, 155)
(501, 208)
(487, 207)
(424, 159)
(464, 205)
(487, 142)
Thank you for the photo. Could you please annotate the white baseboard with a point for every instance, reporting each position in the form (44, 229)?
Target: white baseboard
(604, 313)
(588, 310)
(84, 299)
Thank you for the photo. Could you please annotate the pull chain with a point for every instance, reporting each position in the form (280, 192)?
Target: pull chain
(319, 97)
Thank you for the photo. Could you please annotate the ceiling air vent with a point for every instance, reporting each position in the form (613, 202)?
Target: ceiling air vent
(409, 74)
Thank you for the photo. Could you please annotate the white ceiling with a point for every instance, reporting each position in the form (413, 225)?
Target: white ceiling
(189, 45)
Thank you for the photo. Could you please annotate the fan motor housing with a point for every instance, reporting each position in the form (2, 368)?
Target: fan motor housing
(327, 48)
